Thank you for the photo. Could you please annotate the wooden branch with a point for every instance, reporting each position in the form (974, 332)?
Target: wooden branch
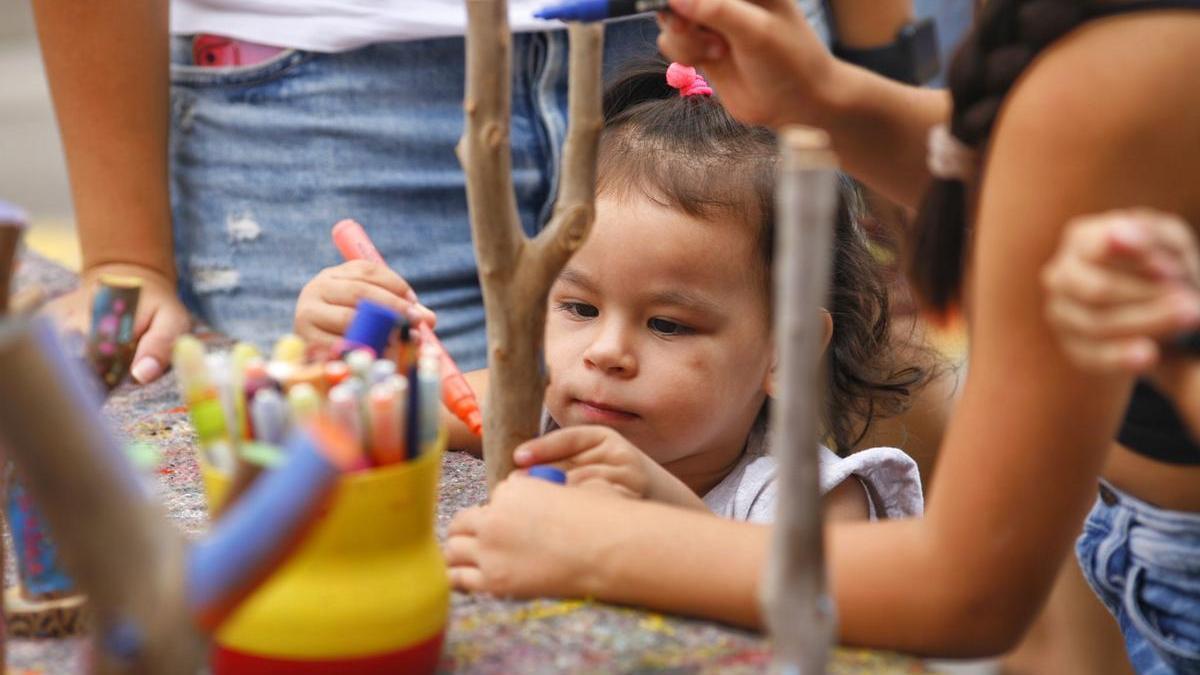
(797, 609)
(118, 547)
(516, 273)
(12, 225)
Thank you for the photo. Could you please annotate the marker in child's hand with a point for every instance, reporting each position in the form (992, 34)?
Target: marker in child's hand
(599, 10)
(548, 473)
(354, 244)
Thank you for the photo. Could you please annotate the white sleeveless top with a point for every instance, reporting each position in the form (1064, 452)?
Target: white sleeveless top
(338, 25)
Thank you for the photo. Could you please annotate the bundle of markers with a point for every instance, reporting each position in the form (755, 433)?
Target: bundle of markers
(380, 385)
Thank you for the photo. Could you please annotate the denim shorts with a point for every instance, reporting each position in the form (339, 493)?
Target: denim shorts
(264, 159)
(1144, 563)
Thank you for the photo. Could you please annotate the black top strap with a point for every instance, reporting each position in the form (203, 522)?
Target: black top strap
(1097, 11)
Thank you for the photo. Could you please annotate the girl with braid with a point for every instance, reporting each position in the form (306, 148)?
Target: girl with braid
(1057, 109)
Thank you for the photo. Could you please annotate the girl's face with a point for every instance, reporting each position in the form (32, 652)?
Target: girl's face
(658, 327)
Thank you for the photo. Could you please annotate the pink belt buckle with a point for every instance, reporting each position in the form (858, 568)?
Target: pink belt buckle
(215, 51)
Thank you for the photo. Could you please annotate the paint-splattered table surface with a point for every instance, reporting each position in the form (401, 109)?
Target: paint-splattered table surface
(486, 635)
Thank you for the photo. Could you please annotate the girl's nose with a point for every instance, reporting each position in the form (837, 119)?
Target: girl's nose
(611, 352)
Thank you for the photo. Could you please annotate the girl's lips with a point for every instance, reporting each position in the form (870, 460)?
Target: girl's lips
(599, 412)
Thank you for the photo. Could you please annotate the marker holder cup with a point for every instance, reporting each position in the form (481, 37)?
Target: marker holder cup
(364, 592)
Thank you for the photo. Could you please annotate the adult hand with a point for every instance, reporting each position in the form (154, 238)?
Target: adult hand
(598, 456)
(326, 304)
(767, 64)
(161, 317)
(1120, 285)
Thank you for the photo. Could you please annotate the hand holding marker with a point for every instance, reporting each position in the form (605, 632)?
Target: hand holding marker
(354, 244)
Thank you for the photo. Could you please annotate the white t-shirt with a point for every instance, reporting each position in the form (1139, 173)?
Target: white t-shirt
(339, 25)
(888, 476)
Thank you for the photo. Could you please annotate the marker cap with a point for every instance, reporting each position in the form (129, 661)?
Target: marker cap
(371, 326)
(550, 473)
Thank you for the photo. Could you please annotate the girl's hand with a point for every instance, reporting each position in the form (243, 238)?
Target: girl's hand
(596, 456)
(1120, 284)
(161, 317)
(327, 303)
(533, 539)
(767, 64)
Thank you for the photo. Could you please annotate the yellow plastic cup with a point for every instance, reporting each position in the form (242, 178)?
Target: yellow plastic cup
(365, 591)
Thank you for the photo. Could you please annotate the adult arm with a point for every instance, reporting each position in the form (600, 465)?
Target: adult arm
(108, 71)
(1023, 452)
(770, 68)
(863, 24)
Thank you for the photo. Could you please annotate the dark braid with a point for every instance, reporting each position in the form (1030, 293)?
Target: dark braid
(1006, 38)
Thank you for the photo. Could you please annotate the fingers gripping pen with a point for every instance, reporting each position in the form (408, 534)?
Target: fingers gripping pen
(352, 240)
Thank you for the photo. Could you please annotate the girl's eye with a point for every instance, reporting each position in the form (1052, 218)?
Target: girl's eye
(579, 310)
(668, 327)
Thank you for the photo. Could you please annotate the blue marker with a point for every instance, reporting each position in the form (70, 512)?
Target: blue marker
(548, 473)
(371, 327)
(599, 10)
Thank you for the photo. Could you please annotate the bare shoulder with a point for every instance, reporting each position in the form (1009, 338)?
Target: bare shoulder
(1128, 79)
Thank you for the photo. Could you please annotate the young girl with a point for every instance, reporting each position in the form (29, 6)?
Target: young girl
(1058, 108)
(659, 340)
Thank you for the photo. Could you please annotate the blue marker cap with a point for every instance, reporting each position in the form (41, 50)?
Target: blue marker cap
(371, 326)
(550, 473)
(599, 10)
(580, 10)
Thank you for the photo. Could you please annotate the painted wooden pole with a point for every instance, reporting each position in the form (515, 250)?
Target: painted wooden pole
(516, 272)
(12, 225)
(117, 544)
(798, 610)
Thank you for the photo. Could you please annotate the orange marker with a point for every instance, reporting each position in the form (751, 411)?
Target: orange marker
(386, 433)
(352, 240)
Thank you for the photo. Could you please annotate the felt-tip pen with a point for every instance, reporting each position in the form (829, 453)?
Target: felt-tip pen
(599, 10)
(354, 244)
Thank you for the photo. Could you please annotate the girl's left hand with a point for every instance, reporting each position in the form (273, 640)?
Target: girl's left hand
(533, 539)
(597, 456)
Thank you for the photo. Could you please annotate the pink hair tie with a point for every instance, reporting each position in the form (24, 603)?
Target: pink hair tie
(687, 81)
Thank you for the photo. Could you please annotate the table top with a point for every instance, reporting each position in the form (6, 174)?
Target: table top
(485, 634)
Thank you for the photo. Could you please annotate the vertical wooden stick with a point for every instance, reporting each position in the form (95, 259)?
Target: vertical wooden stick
(117, 546)
(111, 342)
(12, 224)
(797, 608)
(516, 273)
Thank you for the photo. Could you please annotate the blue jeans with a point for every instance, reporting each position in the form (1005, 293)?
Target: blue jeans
(1144, 563)
(264, 159)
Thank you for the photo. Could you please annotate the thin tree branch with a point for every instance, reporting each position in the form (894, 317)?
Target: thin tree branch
(797, 609)
(514, 272)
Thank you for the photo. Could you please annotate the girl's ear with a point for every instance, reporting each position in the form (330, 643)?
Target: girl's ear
(769, 384)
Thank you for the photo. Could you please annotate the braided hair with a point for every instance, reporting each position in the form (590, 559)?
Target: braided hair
(1006, 38)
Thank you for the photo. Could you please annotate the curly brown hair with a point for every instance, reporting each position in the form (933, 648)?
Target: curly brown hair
(691, 154)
